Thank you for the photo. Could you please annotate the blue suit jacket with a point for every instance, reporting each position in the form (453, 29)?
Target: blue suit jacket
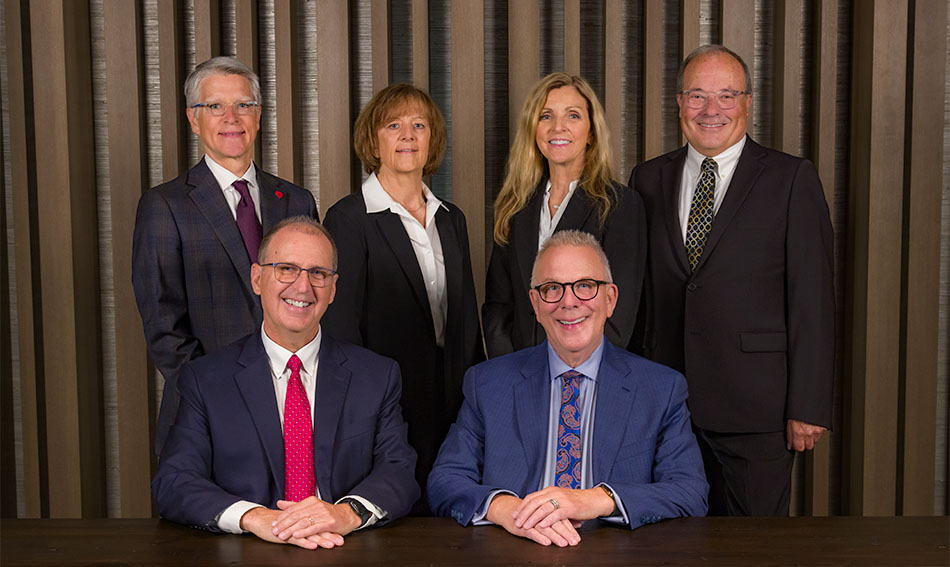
(643, 445)
(226, 444)
(191, 271)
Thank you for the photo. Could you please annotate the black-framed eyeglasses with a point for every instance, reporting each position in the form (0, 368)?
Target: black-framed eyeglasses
(585, 289)
(221, 108)
(698, 98)
(285, 272)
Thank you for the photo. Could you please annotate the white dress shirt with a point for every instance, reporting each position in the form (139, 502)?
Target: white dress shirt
(425, 243)
(725, 167)
(230, 519)
(226, 181)
(548, 223)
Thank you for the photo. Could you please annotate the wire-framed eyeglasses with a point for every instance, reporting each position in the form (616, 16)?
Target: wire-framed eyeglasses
(221, 108)
(698, 98)
(287, 273)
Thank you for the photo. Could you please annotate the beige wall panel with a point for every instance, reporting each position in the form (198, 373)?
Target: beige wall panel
(66, 195)
(17, 93)
(380, 26)
(333, 88)
(207, 30)
(923, 259)
(738, 31)
(690, 31)
(289, 162)
(788, 76)
(420, 43)
(824, 124)
(572, 37)
(652, 78)
(245, 20)
(876, 166)
(171, 80)
(468, 127)
(524, 58)
(127, 177)
(613, 84)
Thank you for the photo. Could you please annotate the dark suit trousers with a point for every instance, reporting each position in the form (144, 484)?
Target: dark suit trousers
(749, 474)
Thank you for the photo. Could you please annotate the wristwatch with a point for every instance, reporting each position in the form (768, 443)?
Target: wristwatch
(360, 510)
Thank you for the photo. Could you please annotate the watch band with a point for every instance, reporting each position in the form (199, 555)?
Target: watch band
(610, 493)
(360, 510)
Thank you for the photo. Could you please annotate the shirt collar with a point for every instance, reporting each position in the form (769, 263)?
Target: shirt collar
(378, 200)
(225, 178)
(278, 356)
(725, 162)
(589, 367)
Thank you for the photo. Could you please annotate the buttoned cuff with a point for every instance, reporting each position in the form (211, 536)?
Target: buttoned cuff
(479, 518)
(230, 519)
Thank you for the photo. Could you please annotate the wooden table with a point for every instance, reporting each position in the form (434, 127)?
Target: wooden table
(432, 541)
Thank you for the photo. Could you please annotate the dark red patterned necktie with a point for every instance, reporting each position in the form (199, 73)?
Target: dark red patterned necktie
(247, 221)
(567, 474)
(299, 478)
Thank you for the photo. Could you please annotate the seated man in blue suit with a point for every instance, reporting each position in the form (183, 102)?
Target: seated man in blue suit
(246, 452)
(572, 429)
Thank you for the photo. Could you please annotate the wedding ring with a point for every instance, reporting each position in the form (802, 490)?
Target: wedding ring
(311, 520)
(556, 505)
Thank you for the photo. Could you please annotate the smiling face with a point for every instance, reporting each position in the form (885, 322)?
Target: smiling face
(574, 327)
(292, 311)
(403, 141)
(564, 129)
(228, 139)
(711, 130)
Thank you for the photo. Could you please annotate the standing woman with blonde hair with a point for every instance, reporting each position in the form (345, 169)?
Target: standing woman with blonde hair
(559, 176)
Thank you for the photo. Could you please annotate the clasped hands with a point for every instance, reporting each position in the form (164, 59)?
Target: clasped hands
(538, 518)
(310, 523)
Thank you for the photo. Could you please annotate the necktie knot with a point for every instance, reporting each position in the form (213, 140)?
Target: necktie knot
(294, 365)
(241, 186)
(709, 164)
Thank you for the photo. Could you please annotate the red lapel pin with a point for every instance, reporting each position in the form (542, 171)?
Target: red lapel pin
(279, 194)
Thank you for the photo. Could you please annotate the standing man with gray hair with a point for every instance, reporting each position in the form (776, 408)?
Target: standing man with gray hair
(740, 292)
(197, 235)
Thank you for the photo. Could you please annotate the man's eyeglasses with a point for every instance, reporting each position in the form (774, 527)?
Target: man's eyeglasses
(552, 292)
(221, 108)
(726, 98)
(288, 273)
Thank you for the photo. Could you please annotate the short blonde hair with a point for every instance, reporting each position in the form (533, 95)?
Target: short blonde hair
(526, 164)
(381, 108)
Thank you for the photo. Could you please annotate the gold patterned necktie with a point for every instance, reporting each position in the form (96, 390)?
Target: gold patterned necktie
(701, 213)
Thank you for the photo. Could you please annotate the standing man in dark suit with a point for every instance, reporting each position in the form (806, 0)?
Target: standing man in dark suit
(248, 454)
(740, 294)
(572, 429)
(197, 235)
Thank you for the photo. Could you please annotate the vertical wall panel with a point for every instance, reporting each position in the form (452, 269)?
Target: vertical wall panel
(380, 41)
(67, 247)
(788, 76)
(922, 201)
(572, 37)
(876, 164)
(613, 83)
(653, 78)
(468, 87)
(524, 58)
(174, 126)
(420, 43)
(738, 31)
(245, 36)
(207, 29)
(333, 87)
(127, 177)
(286, 86)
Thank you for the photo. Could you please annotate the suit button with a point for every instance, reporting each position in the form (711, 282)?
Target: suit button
(691, 287)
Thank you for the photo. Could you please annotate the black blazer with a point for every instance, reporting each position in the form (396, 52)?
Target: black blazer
(191, 271)
(507, 314)
(381, 304)
(752, 328)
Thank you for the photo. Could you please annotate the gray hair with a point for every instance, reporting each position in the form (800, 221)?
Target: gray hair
(572, 238)
(219, 66)
(712, 48)
(302, 223)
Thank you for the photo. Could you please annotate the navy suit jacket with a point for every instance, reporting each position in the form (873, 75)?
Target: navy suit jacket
(191, 271)
(753, 326)
(227, 445)
(642, 445)
(507, 314)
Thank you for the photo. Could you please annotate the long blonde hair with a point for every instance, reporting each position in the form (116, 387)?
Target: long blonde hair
(526, 165)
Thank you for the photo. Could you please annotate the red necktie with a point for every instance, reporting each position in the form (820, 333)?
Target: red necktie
(247, 221)
(299, 478)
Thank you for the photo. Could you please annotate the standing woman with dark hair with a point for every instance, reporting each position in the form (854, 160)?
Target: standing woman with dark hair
(406, 289)
(559, 177)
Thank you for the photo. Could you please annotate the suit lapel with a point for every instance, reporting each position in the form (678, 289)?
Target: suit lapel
(615, 394)
(394, 235)
(208, 198)
(275, 204)
(332, 382)
(747, 171)
(257, 388)
(532, 401)
(452, 255)
(579, 208)
(523, 236)
(671, 176)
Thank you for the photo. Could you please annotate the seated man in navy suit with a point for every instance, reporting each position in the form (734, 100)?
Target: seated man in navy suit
(247, 454)
(573, 429)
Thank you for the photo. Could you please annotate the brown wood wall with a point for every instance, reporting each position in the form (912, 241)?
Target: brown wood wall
(93, 115)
